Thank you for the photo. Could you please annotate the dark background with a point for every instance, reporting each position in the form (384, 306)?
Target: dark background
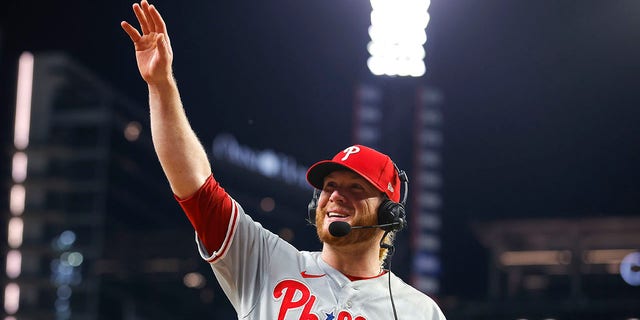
(541, 105)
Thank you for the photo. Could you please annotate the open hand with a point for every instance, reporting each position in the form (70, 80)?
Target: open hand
(153, 48)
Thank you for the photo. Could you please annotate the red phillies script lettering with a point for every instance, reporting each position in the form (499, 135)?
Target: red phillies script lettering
(287, 290)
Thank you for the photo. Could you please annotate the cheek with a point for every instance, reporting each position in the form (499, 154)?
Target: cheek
(370, 211)
(319, 216)
(322, 200)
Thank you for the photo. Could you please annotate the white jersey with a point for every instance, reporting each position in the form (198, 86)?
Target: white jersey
(266, 278)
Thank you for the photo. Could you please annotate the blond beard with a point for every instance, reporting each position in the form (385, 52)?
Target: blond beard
(357, 236)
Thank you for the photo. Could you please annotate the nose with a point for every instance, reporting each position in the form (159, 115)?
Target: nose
(337, 196)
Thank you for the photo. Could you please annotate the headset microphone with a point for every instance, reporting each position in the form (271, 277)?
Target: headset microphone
(341, 228)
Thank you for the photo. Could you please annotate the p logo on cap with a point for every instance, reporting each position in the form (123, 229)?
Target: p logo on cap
(349, 151)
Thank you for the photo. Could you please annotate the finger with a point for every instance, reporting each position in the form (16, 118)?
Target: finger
(147, 14)
(161, 27)
(142, 20)
(131, 31)
(157, 20)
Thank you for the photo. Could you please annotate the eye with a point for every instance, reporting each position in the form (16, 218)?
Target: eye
(329, 186)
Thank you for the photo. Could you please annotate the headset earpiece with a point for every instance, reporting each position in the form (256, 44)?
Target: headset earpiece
(393, 213)
(311, 207)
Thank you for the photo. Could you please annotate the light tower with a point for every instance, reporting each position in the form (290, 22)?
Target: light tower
(396, 112)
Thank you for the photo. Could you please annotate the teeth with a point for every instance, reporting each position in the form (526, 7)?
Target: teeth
(335, 215)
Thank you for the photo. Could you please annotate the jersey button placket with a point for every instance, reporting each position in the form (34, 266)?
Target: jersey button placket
(352, 291)
(348, 304)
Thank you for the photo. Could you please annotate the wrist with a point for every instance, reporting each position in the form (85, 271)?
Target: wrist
(163, 85)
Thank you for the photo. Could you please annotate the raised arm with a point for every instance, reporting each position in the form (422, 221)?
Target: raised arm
(181, 154)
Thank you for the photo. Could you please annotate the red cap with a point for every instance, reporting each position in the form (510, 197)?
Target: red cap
(371, 164)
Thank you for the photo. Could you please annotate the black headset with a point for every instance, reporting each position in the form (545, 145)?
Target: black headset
(391, 214)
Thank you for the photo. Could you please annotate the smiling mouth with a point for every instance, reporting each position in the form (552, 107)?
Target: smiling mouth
(336, 215)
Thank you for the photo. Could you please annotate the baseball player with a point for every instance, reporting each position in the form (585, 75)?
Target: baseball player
(356, 210)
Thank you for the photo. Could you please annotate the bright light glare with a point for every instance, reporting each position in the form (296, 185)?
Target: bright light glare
(19, 167)
(16, 227)
(14, 264)
(397, 37)
(23, 101)
(17, 199)
(11, 298)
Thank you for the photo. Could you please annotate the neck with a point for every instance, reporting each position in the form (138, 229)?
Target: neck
(359, 260)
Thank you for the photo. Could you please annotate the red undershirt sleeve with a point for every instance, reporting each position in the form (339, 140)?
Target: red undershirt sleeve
(209, 211)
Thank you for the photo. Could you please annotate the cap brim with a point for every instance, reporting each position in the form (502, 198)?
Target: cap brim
(318, 171)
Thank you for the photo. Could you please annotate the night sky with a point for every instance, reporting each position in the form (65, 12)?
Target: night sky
(541, 100)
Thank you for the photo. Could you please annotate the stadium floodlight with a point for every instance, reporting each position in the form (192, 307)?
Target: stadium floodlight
(17, 194)
(398, 37)
(23, 101)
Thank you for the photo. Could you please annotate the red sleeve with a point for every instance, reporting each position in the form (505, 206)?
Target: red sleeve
(209, 211)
